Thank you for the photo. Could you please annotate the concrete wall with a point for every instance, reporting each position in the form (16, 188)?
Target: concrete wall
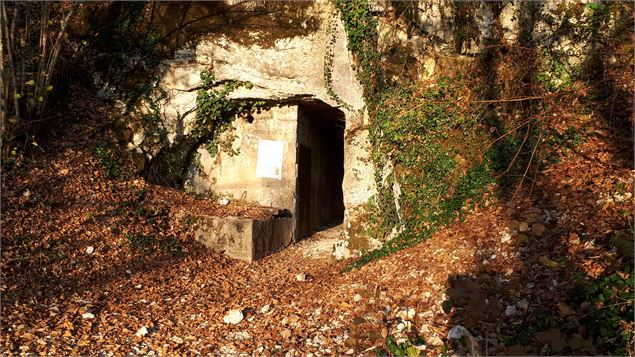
(244, 238)
(233, 172)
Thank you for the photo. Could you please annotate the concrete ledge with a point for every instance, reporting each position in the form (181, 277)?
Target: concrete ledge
(244, 238)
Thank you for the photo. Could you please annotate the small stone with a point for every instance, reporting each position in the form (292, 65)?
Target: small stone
(141, 332)
(506, 237)
(265, 309)
(523, 227)
(300, 277)
(233, 317)
(224, 201)
(138, 286)
(456, 332)
(177, 340)
(510, 310)
(523, 304)
(340, 250)
(350, 351)
(88, 315)
(406, 314)
(90, 250)
(357, 298)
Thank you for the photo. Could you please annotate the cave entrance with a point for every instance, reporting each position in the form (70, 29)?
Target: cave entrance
(320, 160)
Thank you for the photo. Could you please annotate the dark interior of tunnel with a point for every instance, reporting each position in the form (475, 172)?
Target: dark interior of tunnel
(320, 167)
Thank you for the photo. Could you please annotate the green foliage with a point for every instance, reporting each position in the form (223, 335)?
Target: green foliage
(556, 74)
(139, 241)
(215, 111)
(435, 146)
(127, 59)
(400, 349)
(108, 159)
(439, 157)
(361, 31)
(608, 307)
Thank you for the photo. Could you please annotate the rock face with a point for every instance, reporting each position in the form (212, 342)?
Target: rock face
(314, 67)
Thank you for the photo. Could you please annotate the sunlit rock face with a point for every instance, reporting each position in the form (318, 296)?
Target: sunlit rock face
(304, 57)
(311, 65)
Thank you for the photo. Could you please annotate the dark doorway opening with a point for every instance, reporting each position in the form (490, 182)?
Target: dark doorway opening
(320, 167)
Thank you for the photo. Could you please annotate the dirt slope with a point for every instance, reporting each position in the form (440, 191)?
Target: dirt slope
(89, 262)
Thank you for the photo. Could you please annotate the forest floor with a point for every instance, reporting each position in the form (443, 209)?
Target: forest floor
(96, 265)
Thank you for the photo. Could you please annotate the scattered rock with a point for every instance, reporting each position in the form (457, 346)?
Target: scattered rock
(341, 251)
(457, 332)
(291, 320)
(510, 310)
(88, 315)
(223, 201)
(357, 298)
(176, 340)
(141, 332)
(506, 237)
(523, 304)
(300, 277)
(406, 314)
(523, 227)
(233, 317)
(90, 250)
(265, 309)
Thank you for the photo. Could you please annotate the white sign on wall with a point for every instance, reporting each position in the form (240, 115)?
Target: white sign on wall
(269, 162)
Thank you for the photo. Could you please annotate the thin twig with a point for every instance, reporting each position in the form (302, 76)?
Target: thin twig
(528, 166)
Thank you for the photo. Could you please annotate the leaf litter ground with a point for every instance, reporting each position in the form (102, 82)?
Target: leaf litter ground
(93, 265)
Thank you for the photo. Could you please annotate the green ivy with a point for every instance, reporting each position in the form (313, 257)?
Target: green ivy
(607, 304)
(420, 134)
(215, 111)
(108, 160)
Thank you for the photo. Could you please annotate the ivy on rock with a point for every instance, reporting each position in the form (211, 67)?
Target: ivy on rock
(215, 111)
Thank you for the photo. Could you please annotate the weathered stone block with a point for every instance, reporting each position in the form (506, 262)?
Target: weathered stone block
(244, 238)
